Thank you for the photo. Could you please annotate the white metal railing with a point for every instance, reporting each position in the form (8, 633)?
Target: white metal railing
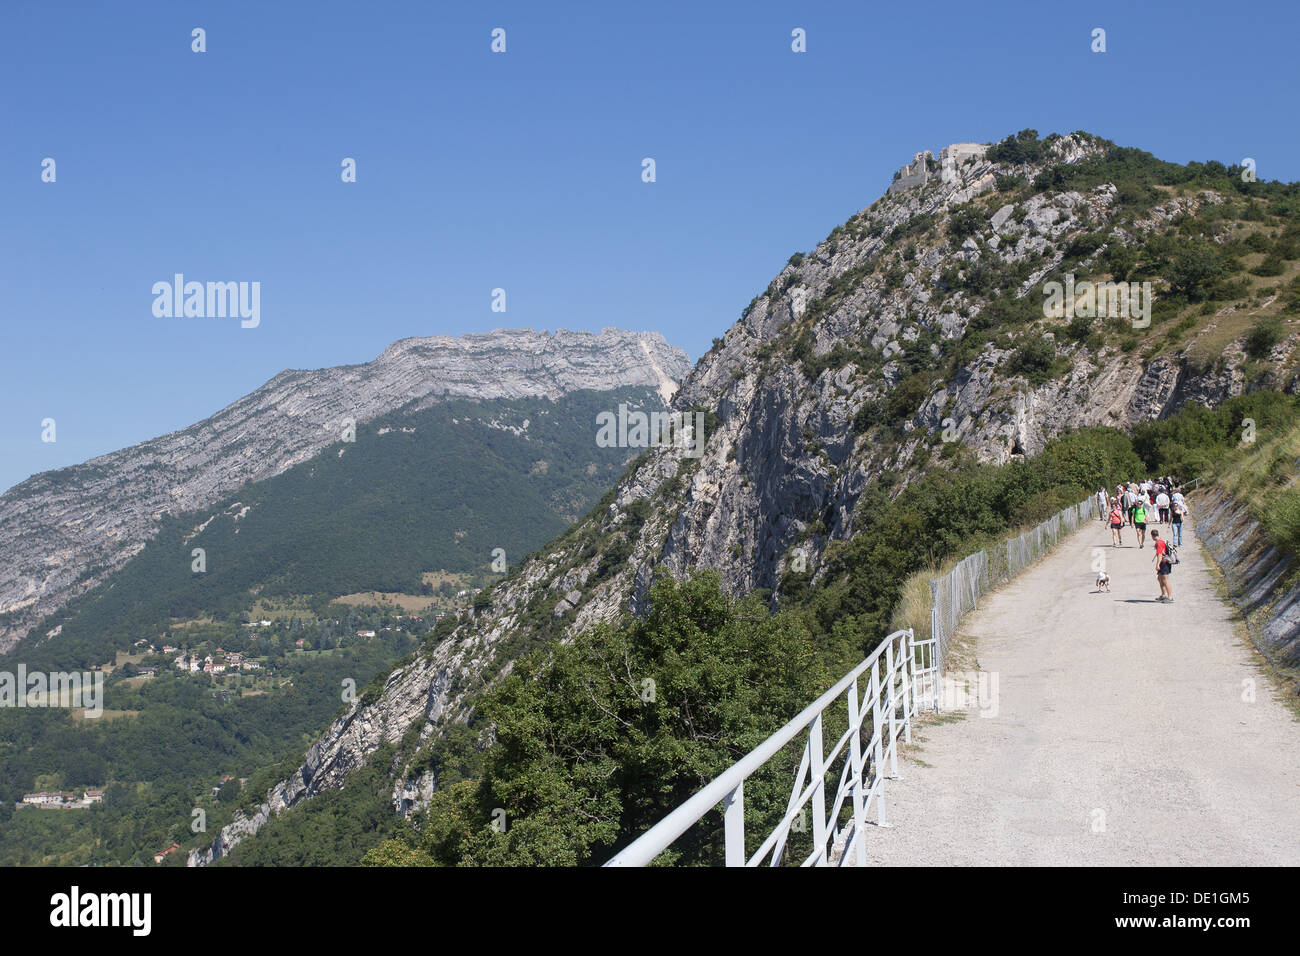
(909, 680)
(883, 714)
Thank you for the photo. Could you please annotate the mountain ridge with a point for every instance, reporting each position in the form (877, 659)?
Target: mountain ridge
(63, 532)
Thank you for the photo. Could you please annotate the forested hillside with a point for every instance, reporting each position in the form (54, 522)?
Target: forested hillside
(424, 489)
(159, 749)
(423, 495)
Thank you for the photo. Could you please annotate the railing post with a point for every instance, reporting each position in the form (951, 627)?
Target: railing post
(817, 770)
(878, 755)
(936, 664)
(906, 651)
(893, 715)
(734, 820)
(916, 676)
(855, 723)
(935, 667)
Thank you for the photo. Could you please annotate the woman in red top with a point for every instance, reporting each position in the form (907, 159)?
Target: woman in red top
(1164, 565)
(1116, 522)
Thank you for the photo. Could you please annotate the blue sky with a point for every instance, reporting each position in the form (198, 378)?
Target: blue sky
(519, 170)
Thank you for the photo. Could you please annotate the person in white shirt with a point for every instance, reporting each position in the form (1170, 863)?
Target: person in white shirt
(1162, 506)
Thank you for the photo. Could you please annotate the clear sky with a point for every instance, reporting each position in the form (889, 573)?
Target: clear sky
(519, 170)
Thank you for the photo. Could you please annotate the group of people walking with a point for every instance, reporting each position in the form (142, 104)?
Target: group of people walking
(1148, 502)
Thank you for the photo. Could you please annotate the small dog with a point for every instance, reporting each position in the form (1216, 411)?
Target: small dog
(1103, 581)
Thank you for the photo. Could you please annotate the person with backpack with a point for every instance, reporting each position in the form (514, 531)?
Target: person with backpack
(1140, 520)
(1116, 523)
(1164, 567)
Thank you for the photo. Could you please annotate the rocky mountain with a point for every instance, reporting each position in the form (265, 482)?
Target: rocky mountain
(919, 334)
(63, 532)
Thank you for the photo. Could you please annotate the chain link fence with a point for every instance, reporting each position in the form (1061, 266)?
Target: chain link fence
(959, 591)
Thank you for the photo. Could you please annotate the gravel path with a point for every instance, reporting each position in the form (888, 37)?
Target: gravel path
(1120, 737)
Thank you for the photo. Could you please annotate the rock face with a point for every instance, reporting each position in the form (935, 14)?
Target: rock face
(785, 462)
(63, 532)
(1256, 572)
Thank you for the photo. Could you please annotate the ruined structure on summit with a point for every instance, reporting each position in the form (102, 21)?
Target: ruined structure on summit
(951, 158)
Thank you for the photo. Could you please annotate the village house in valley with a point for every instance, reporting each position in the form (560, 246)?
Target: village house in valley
(62, 800)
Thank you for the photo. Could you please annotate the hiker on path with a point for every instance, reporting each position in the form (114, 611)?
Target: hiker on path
(1140, 521)
(1164, 567)
(1179, 509)
(1116, 523)
(1101, 503)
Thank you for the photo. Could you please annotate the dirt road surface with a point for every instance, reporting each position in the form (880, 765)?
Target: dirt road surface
(1122, 731)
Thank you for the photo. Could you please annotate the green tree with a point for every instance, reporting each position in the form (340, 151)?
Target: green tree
(396, 853)
(1193, 267)
(903, 402)
(1263, 336)
(1034, 360)
(598, 739)
(228, 792)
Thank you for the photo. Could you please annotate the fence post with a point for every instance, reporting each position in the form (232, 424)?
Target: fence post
(936, 664)
(817, 772)
(859, 816)
(877, 732)
(909, 674)
(893, 712)
(734, 819)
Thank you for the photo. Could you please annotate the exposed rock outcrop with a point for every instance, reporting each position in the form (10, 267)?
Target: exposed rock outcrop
(1261, 577)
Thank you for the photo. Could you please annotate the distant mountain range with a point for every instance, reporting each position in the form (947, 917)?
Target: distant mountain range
(64, 532)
